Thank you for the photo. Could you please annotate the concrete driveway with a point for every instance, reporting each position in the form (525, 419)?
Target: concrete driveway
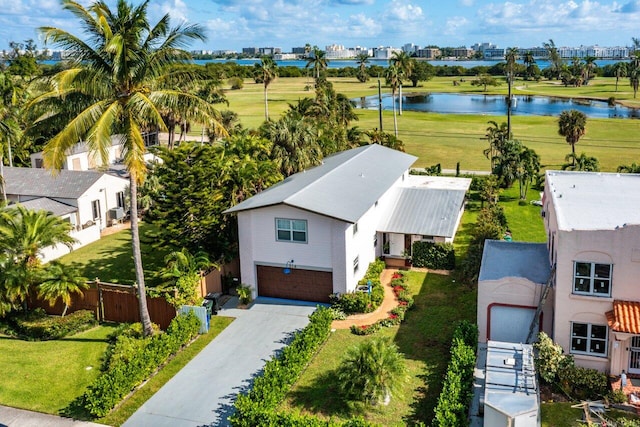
(203, 392)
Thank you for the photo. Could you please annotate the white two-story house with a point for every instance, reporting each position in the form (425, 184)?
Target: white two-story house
(316, 232)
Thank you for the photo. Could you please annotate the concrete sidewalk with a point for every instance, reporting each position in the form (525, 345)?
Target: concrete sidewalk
(203, 392)
(12, 417)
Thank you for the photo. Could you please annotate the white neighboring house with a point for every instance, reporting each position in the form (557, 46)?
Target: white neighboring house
(81, 158)
(316, 232)
(89, 200)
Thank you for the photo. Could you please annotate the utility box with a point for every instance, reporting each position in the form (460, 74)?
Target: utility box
(511, 396)
(116, 213)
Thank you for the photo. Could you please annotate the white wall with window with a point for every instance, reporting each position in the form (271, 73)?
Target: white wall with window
(105, 194)
(591, 278)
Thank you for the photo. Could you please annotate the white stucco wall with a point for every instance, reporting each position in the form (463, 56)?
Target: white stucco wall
(104, 191)
(83, 237)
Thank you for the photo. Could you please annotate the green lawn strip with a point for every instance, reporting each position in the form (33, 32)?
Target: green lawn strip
(110, 259)
(451, 138)
(46, 376)
(424, 338)
(524, 221)
(121, 413)
(561, 414)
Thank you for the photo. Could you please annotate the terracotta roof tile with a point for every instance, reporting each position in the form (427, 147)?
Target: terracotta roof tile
(625, 316)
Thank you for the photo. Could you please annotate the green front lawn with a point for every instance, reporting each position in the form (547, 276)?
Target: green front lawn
(110, 259)
(46, 376)
(424, 338)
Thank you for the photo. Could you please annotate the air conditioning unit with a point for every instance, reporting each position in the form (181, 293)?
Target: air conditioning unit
(116, 213)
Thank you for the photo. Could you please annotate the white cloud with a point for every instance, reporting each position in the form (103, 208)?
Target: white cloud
(454, 25)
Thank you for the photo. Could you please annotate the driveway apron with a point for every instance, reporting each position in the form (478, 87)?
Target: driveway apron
(203, 392)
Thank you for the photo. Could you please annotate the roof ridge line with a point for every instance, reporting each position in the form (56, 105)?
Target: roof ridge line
(339, 166)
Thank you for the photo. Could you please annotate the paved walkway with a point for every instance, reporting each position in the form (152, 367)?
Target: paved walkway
(203, 392)
(389, 303)
(12, 417)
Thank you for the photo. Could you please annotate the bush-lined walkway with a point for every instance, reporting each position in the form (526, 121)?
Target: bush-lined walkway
(382, 312)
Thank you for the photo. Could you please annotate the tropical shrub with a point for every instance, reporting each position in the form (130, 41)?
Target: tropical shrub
(244, 294)
(132, 358)
(236, 83)
(37, 325)
(371, 371)
(438, 256)
(549, 358)
(582, 383)
(363, 302)
(457, 390)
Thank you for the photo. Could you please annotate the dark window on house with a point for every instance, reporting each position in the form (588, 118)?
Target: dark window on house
(39, 163)
(291, 230)
(590, 278)
(375, 240)
(355, 228)
(95, 206)
(120, 199)
(590, 339)
(356, 264)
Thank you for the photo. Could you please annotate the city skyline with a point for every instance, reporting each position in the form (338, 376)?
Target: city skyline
(234, 24)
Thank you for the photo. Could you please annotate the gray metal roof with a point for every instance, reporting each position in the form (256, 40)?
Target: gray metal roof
(344, 186)
(510, 381)
(594, 200)
(40, 182)
(46, 204)
(426, 211)
(502, 259)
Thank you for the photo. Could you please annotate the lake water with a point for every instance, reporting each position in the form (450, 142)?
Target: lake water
(496, 105)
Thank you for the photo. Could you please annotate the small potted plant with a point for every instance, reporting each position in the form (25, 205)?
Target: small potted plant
(244, 295)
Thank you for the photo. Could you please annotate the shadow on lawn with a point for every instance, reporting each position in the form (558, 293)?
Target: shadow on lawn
(326, 385)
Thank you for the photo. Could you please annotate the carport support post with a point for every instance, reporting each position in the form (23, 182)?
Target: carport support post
(100, 302)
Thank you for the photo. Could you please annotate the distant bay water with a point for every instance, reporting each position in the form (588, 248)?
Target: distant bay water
(342, 63)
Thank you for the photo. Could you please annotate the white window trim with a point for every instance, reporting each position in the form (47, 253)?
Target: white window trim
(356, 264)
(290, 230)
(96, 209)
(588, 339)
(592, 277)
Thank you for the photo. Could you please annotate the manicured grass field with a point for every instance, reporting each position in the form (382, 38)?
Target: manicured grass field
(451, 138)
(110, 259)
(46, 376)
(424, 338)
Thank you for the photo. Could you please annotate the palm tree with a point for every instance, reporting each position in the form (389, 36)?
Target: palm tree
(406, 65)
(268, 71)
(620, 70)
(372, 371)
(182, 263)
(393, 76)
(362, 59)
(572, 125)
(634, 73)
(10, 131)
(295, 147)
(118, 71)
(527, 169)
(318, 61)
(510, 69)
(589, 67)
(529, 62)
(23, 236)
(555, 59)
(59, 282)
(497, 137)
(581, 163)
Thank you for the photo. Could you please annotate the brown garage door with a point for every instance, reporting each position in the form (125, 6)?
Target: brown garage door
(305, 285)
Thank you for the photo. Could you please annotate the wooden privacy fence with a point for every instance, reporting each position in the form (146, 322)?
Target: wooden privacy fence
(212, 280)
(112, 303)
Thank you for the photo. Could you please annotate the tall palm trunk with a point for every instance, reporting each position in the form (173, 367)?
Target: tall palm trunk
(2, 183)
(137, 257)
(395, 118)
(509, 108)
(266, 104)
(400, 100)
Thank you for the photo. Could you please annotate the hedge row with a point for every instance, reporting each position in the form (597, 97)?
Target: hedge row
(38, 325)
(457, 391)
(258, 406)
(362, 302)
(437, 256)
(133, 359)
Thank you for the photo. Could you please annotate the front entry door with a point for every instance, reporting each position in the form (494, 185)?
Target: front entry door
(634, 355)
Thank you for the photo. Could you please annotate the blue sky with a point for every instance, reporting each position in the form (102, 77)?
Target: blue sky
(233, 24)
